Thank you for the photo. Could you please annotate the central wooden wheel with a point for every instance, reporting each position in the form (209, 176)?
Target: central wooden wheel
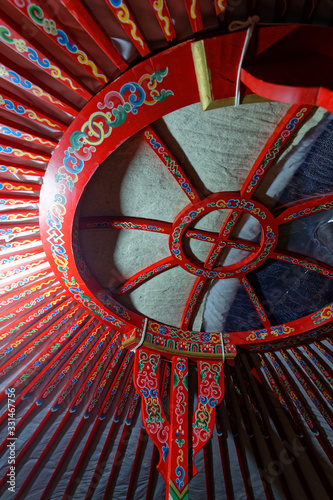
(221, 201)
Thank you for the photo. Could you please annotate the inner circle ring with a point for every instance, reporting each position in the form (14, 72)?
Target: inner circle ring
(222, 201)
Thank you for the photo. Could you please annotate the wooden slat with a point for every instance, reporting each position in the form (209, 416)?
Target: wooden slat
(194, 14)
(9, 103)
(92, 28)
(126, 18)
(164, 18)
(26, 83)
(32, 52)
(58, 34)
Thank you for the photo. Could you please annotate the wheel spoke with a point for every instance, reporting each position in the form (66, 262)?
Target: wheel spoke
(210, 237)
(284, 131)
(255, 301)
(144, 275)
(165, 155)
(202, 235)
(308, 207)
(191, 302)
(303, 261)
(224, 233)
(240, 244)
(150, 225)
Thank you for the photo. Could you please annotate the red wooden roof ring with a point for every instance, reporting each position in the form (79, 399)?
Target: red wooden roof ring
(77, 360)
(140, 96)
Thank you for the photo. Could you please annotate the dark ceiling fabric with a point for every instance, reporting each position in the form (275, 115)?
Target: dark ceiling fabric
(315, 175)
(288, 292)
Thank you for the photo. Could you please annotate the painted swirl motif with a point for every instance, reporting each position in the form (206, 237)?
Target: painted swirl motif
(22, 47)
(306, 211)
(210, 394)
(38, 17)
(16, 79)
(21, 110)
(179, 463)
(112, 113)
(158, 5)
(193, 301)
(324, 314)
(147, 385)
(124, 17)
(276, 148)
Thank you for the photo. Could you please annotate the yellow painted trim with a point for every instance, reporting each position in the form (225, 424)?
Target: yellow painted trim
(203, 75)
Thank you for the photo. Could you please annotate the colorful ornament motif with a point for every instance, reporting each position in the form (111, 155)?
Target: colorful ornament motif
(164, 18)
(146, 378)
(292, 394)
(220, 201)
(17, 108)
(318, 364)
(210, 394)
(276, 331)
(16, 79)
(303, 263)
(188, 343)
(18, 134)
(172, 439)
(143, 276)
(83, 142)
(192, 301)
(158, 146)
(322, 315)
(123, 14)
(279, 396)
(298, 115)
(179, 450)
(54, 350)
(220, 6)
(255, 301)
(306, 211)
(36, 14)
(12, 39)
(116, 384)
(312, 375)
(194, 15)
(307, 389)
(6, 367)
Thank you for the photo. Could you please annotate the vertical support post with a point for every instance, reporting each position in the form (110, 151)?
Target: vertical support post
(173, 440)
(210, 394)
(178, 474)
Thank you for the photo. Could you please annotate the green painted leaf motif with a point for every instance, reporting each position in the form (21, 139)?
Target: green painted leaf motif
(36, 13)
(120, 114)
(60, 198)
(158, 75)
(180, 442)
(141, 366)
(58, 177)
(76, 142)
(175, 379)
(163, 95)
(5, 34)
